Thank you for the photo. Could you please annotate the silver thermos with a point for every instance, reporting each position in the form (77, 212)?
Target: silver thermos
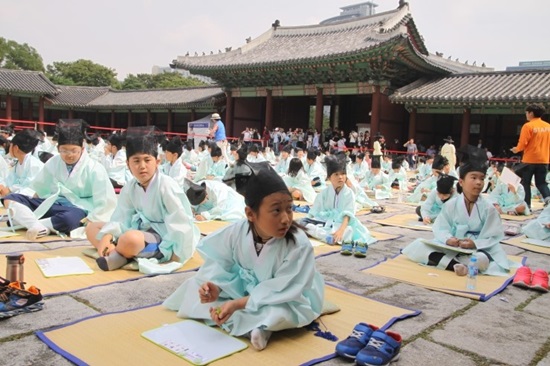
(14, 269)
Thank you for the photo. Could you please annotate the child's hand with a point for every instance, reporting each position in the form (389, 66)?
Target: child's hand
(221, 314)
(547, 225)
(452, 242)
(427, 220)
(512, 188)
(105, 246)
(499, 209)
(467, 244)
(199, 218)
(337, 236)
(208, 292)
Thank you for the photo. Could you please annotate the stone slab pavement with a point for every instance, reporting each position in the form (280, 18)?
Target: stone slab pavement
(512, 328)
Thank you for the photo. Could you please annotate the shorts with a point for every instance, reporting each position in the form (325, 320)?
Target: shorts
(152, 242)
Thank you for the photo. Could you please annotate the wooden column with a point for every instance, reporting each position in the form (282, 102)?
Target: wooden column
(319, 110)
(8, 107)
(169, 123)
(332, 117)
(229, 114)
(129, 124)
(112, 119)
(148, 118)
(193, 115)
(465, 132)
(41, 113)
(412, 124)
(375, 113)
(71, 114)
(96, 117)
(269, 110)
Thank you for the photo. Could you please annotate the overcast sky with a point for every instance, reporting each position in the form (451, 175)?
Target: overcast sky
(131, 36)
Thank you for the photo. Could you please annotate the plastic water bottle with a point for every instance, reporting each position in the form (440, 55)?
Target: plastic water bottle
(471, 280)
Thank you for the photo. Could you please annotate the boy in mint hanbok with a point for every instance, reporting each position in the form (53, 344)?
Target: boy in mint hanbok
(467, 222)
(284, 161)
(70, 187)
(440, 165)
(335, 207)
(175, 167)
(259, 274)
(20, 177)
(212, 200)
(153, 217)
(114, 160)
(377, 181)
(540, 227)
(315, 171)
(219, 167)
(432, 206)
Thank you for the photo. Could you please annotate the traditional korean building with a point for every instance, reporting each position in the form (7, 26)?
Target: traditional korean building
(367, 70)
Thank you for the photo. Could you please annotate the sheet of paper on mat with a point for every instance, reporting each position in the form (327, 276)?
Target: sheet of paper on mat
(7, 234)
(542, 243)
(195, 342)
(63, 266)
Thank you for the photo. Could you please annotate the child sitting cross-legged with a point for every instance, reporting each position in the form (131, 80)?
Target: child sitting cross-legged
(153, 217)
(432, 206)
(468, 222)
(508, 198)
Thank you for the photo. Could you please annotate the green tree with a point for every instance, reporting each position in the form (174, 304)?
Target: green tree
(159, 81)
(82, 73)
(19, 56)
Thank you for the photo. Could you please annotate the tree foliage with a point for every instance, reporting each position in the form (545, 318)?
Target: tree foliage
(82, 73)
(159, 81)
(19, 56)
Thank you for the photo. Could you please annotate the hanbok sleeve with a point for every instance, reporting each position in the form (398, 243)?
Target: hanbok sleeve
(121, 220)
(104, 197)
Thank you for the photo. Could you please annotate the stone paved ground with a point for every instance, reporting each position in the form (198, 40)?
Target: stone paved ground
(512, 328)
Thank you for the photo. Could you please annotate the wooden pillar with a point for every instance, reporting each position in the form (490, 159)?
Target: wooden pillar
(96, 117)
(193, 115)
(129, 124)
(8, 107)
(41, 113)
(412, 124)
(148, 117)
(229, 115)
(269, 110)
(333, 106)
(112, 119)
(319, 110)
(71, 114)
(375, 113)
(169, 123)
(30, 110)
(465, 132)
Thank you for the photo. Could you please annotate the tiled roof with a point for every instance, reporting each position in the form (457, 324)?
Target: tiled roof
(312, 43)
(478, 88)
(162, 98)
(77, 96)
(20, 81)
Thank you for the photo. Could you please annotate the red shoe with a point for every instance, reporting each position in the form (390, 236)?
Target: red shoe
(523, 277)
(540, 281)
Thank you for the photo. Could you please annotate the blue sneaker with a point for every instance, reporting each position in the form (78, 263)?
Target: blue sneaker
(356, 341)
(347, 248)
(382, 349)
(303, 209)
(360, 250)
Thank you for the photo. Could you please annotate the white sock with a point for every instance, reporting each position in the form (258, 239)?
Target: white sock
(259, 338)
(22, 215)
(482, 261)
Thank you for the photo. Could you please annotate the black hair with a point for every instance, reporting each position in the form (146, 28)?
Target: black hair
(116, 139)
(216, 151)
(537, 109)
(311, 155)
(360, 156)
(242, 153)
(175, 146)
(253, 148)
(294, 167)
(25, 140)
(44, 156)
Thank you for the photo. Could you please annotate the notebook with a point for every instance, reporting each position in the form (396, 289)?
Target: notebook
(63, 266)
(195, 342)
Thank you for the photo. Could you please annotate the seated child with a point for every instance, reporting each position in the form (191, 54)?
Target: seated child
(377, 181)
(440, 165)
(315, 171)
(20, 177)
(254, 155)
(114, 160)
(362, 201)
(298, 183)
(507, 198)
(424, 167)
(284, 160)
(173, 150)
(205, 160)
(540, 227)
(335, 206)
(398, 174)
(213, 200)
(259, 274)
(467, 221)
(359, 168)
(70, 187)
(219, 167)
(153, 217)
(432, 206)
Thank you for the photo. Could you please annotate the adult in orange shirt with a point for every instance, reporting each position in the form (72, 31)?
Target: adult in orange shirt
(534, 141)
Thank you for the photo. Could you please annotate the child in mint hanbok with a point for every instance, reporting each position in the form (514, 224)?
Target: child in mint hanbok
(540, 227)
(507, 198)
(467, 222)
(377, 181)
(213, 200)
(298, 183)
(440, 165)
(259, 274)
(176, 169)
(432, 206)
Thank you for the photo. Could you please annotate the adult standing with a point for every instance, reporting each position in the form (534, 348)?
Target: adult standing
(412, 150)
(534, 141)
(218, 130)
(377, 147)
(449, 151)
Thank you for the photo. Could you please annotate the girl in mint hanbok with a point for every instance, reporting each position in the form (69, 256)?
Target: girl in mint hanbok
(315, 171)
(153, 217)
(284, 160)
(377, 181)
(335, 207)
(359, 167)
(398, 175)
(507, 198)
(362, 201)
(219, 167)
(439, 165)
(20, 177)
(70, 187)
(298, 183)
(467, 222)
(540, 227)
(212, 200)
(173, 151)
(259, 274)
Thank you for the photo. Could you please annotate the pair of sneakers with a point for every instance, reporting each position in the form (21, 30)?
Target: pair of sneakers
(15, 299)
(356, 248)
(369, 345)
(537, 280)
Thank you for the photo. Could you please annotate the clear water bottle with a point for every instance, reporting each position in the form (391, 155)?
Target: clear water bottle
(471, 280)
